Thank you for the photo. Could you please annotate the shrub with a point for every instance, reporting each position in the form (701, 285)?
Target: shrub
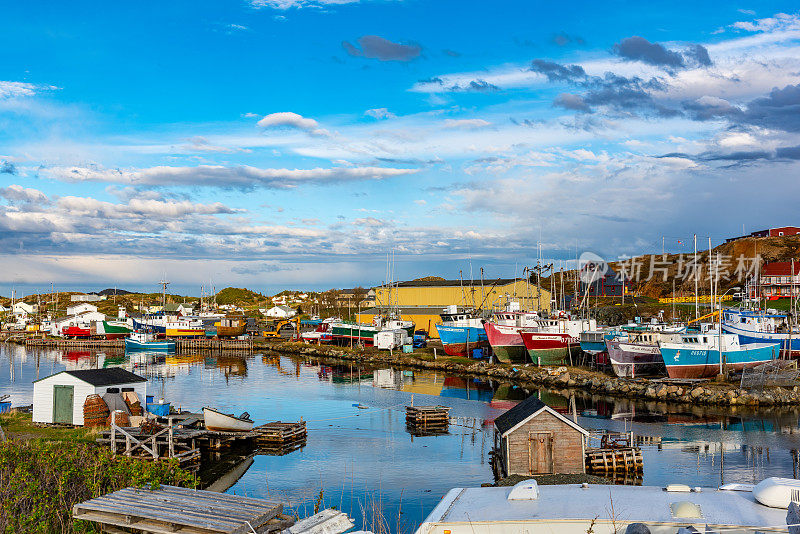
(40, 481)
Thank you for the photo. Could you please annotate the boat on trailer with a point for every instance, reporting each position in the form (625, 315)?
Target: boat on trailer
(224, 422)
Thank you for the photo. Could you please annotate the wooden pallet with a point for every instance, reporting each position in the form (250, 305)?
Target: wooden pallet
(170, 509)
(428, 416)
(279, 432)
(614, 460)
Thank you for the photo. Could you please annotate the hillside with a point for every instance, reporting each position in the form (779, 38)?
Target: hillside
(656, 274)
(240, 296)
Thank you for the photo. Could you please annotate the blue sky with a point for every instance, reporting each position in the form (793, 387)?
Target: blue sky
(293, 143)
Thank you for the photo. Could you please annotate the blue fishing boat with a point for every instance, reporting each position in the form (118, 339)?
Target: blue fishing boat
(153, 324)
(760, 327)
(459, 340)
(698, 354)
(147, 341)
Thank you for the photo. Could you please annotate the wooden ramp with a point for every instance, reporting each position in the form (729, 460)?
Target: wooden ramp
(170, 509)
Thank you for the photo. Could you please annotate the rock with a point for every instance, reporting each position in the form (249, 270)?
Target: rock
(696, 392)
(662, 392)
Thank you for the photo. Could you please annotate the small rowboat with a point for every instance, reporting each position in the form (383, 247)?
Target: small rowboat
(224, 422)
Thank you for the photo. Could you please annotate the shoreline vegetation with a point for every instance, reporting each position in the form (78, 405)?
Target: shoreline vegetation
(45, 471)
(711, 392)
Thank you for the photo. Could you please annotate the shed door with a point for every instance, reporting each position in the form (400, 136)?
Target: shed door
(540, 452)
(63, 397)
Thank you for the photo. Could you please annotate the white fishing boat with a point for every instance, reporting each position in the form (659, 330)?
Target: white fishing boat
(216, 420)
(147, 341)
(601, 509)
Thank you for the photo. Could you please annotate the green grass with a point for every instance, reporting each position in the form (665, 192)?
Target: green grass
(19, 426)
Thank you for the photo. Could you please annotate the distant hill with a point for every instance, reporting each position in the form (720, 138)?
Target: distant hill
(429, 279)
(238, 295)
(112, 291)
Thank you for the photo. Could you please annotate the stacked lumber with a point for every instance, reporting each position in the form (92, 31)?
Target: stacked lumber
(281, 437)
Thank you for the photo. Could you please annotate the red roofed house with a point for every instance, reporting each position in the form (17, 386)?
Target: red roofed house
(778, 280)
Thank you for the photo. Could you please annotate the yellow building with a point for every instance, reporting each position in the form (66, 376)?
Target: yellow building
(423, 301)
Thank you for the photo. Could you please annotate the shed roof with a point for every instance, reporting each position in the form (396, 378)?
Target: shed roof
(103, 377)
(487, 282)
(525, 410)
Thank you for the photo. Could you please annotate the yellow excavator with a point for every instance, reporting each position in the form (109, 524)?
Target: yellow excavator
(275, 333)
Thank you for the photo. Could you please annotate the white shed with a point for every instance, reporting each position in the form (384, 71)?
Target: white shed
(77, 309)
(59, 398)
(280, 312)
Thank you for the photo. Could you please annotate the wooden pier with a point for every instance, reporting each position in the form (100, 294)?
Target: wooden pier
(425, 420)
(181, 442)
(181, 345)
(214, 345)
(170, 509)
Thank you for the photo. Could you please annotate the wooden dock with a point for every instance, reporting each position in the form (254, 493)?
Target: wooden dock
(214, 345)
(181, 345)
(423, 420)
(170, 509)
(76, 343)
(155, 442)
(614, 460)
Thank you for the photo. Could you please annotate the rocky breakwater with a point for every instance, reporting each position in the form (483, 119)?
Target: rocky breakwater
(706, 392)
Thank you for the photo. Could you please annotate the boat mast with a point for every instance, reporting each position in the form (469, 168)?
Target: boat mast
(696, 289)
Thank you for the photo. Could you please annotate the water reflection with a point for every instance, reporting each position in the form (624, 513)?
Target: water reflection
(361, 456)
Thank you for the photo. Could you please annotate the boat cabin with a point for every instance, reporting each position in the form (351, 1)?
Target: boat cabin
(531, 438)
(59, 398)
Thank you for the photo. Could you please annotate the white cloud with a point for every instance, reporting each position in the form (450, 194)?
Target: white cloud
(17, 193)
(16, 89)
(468, 124)
(380, 113)
(224, 177)
(292, 120)
(288, 4)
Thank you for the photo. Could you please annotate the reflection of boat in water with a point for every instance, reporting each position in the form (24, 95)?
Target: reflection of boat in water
(226, 481)
(231, 365)
(424, 384)
(467, 389)
(216, 420)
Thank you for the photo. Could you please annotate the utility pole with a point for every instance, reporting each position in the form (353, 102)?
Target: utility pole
(696, 289)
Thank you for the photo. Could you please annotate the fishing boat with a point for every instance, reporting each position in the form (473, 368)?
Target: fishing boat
(142, 340)
(231, 326)
(579, 508)
(593, 341)
(555, 338)
(365, 333)
(113, 329)
(184, 327)
(502, 332)
(635, 350)
(698, 354)
(223, 422)
(461, 331)
(75, 331)
(759, 327)
(322, 333)
(155, 324)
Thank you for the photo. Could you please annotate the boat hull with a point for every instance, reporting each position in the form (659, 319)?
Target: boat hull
(784, 339)
(684, 362)
(218, 421)
(115, 329)
(634, 359)
(185, 332)
(158, 329)
(545, 348)
(154, 346)
(506, 343)
(460, 340)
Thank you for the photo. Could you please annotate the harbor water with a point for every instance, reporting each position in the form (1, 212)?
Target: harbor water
(360, 458)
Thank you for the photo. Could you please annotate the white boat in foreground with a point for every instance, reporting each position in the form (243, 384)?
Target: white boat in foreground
(224, 422)
(579, 508)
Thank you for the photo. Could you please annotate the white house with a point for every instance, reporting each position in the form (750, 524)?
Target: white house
(280, 312)
(22, 308)
(59, 398)
(87, 298)
(83, 320)
(81, 308)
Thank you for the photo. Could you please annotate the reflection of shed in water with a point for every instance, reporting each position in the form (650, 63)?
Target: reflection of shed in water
(426, 384)
(466, 388)
(232, 366)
